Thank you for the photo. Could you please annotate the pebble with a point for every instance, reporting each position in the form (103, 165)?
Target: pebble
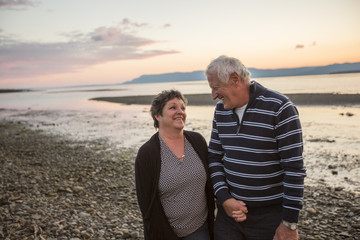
(312, 211)
(84, 215)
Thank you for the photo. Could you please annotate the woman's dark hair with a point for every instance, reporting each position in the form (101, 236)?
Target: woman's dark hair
(160, 100)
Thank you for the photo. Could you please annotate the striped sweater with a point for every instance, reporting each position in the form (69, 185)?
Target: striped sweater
(259, 160)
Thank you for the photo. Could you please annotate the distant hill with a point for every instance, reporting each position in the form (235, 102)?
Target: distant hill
(170, 77)
(255, 73)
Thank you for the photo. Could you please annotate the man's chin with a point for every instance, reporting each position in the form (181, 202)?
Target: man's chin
(226, 107)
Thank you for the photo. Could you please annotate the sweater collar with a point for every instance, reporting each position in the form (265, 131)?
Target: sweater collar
(256, 90)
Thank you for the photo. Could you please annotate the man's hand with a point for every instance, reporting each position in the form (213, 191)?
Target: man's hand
(235, 209)
(284, 233)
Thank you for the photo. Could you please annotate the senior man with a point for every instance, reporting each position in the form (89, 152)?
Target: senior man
(255, 156)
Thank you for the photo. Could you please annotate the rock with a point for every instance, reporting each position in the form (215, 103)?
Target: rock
(36, 216)
(84, 215)
(311, 211)
(345, 234)
(78, 189)
(134, 234)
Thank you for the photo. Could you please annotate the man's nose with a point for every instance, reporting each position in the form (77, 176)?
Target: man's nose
(214, 95)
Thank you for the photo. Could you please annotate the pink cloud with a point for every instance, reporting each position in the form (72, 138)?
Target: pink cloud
(15, 4)
(126, 22)
(104, 44)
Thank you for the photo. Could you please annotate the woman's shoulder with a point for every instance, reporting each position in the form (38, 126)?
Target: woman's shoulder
(150, 144)
(194, 136)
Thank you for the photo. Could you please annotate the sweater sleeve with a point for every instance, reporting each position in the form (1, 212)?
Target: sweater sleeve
(290, 146)
(216, 167)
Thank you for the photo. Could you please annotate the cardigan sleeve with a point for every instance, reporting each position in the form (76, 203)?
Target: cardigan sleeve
(144, 180)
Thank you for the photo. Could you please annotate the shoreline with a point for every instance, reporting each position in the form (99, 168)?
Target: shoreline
(206, 100)
(62, 191)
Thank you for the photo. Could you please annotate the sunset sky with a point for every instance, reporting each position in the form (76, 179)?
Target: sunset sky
(62, 42)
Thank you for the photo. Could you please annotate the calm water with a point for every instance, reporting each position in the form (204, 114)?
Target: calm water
(75, 98)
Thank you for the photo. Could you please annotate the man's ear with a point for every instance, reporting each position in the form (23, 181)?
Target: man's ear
(235, 78)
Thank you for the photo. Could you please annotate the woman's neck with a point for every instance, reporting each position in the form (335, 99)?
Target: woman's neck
(171, 135)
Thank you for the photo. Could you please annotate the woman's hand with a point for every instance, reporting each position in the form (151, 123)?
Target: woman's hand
(235, 209)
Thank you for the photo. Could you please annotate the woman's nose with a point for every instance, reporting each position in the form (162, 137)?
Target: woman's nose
(180, 110)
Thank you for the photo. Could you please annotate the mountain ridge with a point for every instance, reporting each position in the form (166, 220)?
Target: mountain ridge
(255, 73)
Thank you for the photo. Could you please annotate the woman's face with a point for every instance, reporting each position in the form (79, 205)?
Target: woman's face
(173, 115)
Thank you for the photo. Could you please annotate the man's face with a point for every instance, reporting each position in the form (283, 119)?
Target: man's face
(223, 91)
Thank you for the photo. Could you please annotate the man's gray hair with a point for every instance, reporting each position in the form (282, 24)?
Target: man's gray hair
(224, 66)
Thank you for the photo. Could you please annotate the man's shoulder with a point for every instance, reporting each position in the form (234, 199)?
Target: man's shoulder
(271, 95)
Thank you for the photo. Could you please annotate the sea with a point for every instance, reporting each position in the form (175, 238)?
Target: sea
(77, 97)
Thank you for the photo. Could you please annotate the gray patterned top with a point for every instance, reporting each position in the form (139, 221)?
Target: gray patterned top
(182, 189)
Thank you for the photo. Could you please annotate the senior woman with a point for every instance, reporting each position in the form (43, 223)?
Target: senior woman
(172, 178)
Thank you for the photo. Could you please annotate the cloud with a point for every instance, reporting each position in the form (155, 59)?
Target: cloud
(17, 4)
(126, 24)
(299, 46)
(104, 44)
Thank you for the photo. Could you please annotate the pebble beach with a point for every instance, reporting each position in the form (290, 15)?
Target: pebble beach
(69, 175)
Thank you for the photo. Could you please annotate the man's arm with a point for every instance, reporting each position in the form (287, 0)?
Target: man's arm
(216, 167)
(284, 233)
(290, 146)
(233, 208)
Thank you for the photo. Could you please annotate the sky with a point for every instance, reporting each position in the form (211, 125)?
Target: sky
(47, 43)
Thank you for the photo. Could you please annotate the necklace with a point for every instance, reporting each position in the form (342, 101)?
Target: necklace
(182, 157)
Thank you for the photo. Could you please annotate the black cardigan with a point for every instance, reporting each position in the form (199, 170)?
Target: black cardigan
(147, 174)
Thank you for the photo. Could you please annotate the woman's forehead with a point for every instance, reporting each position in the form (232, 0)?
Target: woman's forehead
(175, 101)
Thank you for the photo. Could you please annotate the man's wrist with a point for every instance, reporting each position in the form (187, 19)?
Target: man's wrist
(291, 226)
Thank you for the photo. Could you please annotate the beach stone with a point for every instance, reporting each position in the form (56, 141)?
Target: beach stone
(78, 189)
(345, 234)
(35, 216)
(85, 235)
(134, 234)
(84, 215)
(311, 211)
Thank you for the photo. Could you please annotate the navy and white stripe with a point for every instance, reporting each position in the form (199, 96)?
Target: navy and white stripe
(261, 164)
